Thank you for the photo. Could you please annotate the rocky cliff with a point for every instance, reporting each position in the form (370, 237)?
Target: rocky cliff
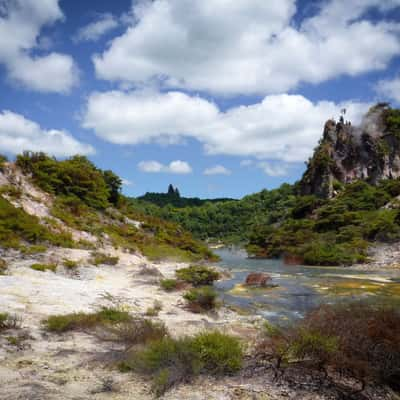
(370, 151)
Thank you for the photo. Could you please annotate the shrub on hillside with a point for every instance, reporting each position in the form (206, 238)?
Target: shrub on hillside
(201, 299)
(104, 259)
(81, 321)
(198, 275)
(173, 361)
(169, 285)
(44, 267)
(352, 341)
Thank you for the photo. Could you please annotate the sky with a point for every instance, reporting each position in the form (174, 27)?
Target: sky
(221, 98)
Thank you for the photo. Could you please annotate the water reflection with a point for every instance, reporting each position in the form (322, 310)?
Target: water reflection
(301, 288)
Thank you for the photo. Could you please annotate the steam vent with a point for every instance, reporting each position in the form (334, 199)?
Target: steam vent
(346, 153)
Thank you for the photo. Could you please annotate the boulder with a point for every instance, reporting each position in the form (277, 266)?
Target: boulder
(257, 279)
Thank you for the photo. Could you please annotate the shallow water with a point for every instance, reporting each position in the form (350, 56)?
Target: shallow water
(298, 289)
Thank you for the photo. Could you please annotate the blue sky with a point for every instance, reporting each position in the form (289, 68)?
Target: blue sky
(219, 98)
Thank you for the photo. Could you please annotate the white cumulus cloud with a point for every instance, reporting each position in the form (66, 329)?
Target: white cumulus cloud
(18, 133)
(217, 170)
(20, 24)
(103, 24)
(174, 167)
(390, 89)
(274, 169)
(246, 46)
(281, 127)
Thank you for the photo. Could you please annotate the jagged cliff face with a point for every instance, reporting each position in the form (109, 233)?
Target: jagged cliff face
(348, 153)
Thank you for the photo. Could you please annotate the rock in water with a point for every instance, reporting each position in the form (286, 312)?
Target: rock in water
(257, 279)
(346, 153)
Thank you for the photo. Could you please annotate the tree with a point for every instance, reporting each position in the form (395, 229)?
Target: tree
(171, 190)
(114, 184)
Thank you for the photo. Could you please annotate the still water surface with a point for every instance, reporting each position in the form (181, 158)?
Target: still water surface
(298, 289)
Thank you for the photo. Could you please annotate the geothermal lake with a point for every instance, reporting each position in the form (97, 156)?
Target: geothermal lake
(297, 289)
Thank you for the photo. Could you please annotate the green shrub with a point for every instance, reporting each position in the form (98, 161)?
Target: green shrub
(104, 259)
(198, 275)
(75, 176)
(201, 299)
(34, 249)
(169, 285)
(79, 321)
(219, 353)
(173, 361)
(44, 267)
(135, 330)
(70, 264)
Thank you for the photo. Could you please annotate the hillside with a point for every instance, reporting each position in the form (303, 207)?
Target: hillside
(73, 204)
(346, 201)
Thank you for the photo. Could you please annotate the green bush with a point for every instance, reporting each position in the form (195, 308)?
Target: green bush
(44, 267)
(70, 264)
(198, 275)
(75, 176)
(173, 361)
(79, 321)
(169, 285)
(201, 299)
(135, 330)
(34, 249)
(218, 353)
(104, 259)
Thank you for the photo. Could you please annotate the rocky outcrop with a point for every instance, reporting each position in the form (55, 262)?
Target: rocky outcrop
(257, 279)
(347, 153)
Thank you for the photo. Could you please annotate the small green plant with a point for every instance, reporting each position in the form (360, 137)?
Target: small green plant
(104, 259)
(169, 285)
(44, 267)
(34, 249)
(70, 264)
(201, 299)
(137, 330)
(155, 309)
(198, 275)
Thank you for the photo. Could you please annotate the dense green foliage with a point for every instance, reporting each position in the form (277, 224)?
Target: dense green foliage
(173, 361)
(228, 220)
(75, 177)
(332, 232)
(278, 222)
